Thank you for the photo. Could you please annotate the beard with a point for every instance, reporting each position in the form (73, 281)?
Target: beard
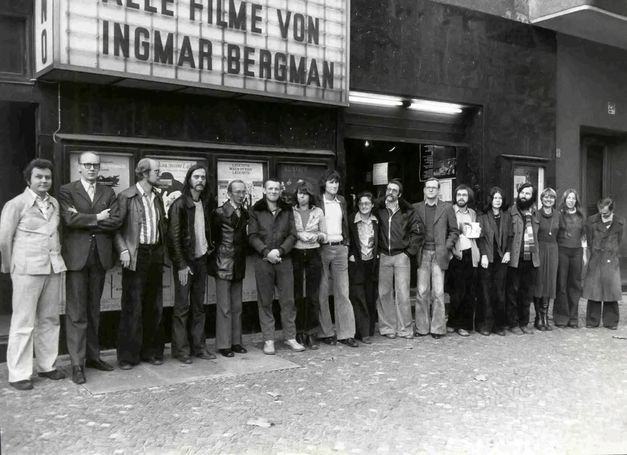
(524, 204)
(461, 203)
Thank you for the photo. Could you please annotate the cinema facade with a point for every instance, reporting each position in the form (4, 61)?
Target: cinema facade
(408, 89)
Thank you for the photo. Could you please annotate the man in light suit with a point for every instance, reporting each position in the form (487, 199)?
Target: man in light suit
(90, 215)
(31, 253)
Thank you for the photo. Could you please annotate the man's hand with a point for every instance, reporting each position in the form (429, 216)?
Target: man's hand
(72, 210)
(351, 258)
(274, 256)
(484, 261)
(125, 259)
(183, 275)
(104, 215)
(506, 258)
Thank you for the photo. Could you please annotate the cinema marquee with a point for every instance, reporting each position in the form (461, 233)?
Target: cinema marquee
(296, 50)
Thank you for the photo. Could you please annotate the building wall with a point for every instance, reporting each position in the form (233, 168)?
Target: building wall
(427, 49)
(589, 76)
(511, 9)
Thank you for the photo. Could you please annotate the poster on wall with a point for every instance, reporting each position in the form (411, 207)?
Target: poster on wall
(172, 177)
(251, 173)
(290, 174)
(115, 170)
(380, 174)
(437, 161)
(528, 174)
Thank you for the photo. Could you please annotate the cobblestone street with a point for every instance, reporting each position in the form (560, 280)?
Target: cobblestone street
(556, 392)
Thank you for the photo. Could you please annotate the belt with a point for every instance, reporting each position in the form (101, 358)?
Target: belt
(149, 246)
(334, 243)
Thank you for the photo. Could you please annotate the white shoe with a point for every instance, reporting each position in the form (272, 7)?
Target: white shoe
(268, 347)
(295, 345)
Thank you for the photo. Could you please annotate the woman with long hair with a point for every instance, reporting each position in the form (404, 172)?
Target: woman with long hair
(570, 241)
(544, 288)
(494, 247)
(310, 231)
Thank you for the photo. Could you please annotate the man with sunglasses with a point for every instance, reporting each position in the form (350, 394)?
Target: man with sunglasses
(89, 212)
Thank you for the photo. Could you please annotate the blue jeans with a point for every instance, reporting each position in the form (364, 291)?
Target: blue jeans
(430, 312)
(394, 308)
(335, 265)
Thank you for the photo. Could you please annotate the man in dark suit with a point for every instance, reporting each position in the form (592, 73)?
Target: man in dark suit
(89, 213)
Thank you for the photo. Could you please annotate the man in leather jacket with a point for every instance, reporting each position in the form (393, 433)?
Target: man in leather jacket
(189, 244)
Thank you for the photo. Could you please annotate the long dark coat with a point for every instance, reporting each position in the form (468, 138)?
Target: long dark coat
(602, 282)
(228, 261)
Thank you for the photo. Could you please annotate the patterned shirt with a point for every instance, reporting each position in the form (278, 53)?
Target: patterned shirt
(149, 232)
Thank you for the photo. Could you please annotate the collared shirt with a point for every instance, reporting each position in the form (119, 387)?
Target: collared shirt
(201, 246)
(89, 186)
(44, 204)
(463, 217)
(365, 230)
(333, 216)
(149, 232)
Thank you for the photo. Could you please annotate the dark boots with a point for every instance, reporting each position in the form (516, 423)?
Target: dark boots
(545, 314)
(539, 322)
(541, 306)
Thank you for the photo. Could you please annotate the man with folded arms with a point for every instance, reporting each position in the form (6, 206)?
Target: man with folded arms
(90, 217)
(31, 253)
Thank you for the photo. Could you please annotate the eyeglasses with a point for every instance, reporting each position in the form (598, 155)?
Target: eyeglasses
(431, 187)
(238, 192)
(91, 165)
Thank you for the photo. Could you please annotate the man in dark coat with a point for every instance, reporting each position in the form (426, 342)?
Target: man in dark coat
(89, 212)
(272, 234)
(602, 285)
(228, 266)
(189, 243)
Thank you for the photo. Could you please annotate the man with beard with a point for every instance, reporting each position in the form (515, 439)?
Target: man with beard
(441, 233)
(399, 238)
(524, 260)
(140, 242)
(462, 266)
(189, 242)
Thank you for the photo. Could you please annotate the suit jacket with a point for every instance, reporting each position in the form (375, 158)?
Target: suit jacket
(490, 233)
(131, 214)
(358, 273)
(445, 231)
(30, 243)
(81, 226)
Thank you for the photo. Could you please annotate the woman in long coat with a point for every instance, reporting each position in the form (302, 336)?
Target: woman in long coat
(570, 240)
(602, 285)
(546, 274)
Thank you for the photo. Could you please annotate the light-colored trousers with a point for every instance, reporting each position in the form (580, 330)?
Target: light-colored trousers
(393, 307)
(34, 324)
(335, 264)
(430, 311)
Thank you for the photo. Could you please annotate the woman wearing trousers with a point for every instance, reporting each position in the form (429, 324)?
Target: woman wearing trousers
(570, 240)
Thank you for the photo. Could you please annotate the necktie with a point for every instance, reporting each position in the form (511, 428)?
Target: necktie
(91, 191)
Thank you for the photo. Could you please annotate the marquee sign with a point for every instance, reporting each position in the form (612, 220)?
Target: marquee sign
(294, 49)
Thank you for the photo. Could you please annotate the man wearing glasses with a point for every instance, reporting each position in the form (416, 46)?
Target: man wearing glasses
(140, 242)
(90, 216)
(441, 234)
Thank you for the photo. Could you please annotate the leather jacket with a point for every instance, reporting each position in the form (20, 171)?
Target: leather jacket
(228, 261)
(181, 234)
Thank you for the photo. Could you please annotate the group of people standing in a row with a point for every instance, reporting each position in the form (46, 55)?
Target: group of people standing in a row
(521, 254)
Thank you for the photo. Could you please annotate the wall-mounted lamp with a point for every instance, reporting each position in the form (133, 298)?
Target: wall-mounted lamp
(436, 107)
(375, 99)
